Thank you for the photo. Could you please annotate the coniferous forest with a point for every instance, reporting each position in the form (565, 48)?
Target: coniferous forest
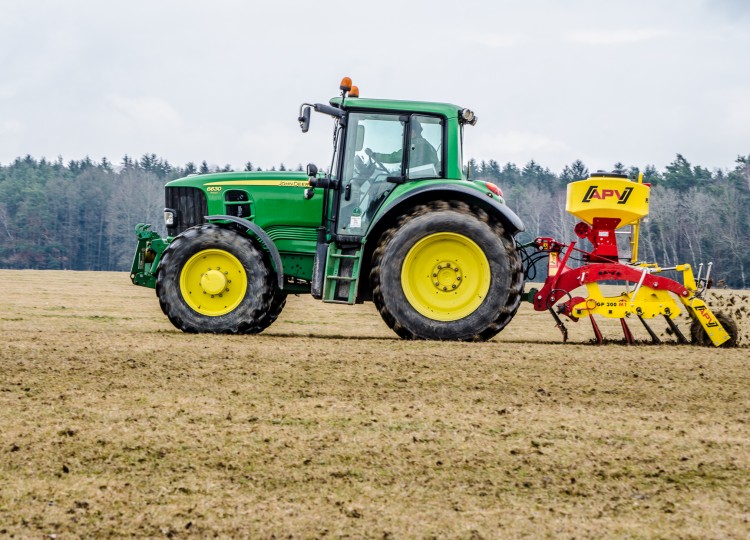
(81, 215)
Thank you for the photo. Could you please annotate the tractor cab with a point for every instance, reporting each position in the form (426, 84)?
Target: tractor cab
(383, 150)
(380, 144)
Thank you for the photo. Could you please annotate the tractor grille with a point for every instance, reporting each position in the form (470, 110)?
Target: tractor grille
(190, 206)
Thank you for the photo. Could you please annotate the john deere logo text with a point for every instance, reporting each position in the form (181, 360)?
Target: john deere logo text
(595, 193)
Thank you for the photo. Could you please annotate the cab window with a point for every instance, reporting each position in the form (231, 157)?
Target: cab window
(374, 150)
(425, 148)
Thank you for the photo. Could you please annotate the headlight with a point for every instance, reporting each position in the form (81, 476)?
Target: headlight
(468, 117)
(169, 217)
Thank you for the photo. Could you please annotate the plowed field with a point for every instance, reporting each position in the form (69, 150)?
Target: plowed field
(114, 423)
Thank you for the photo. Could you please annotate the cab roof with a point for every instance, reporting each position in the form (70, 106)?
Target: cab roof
(444, 109)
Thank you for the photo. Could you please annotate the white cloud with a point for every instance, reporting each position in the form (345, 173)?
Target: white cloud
(146, 111)
(84, 78)
(493, 40)
(8, 91)
(732, 8)
(11, 127)
(518, 147)
(616, 37)
(270, 144)
(11, 134)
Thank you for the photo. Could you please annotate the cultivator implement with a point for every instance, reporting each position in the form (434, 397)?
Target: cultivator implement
(609, 204)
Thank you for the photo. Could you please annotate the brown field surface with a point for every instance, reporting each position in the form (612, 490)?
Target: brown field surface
(113, 423)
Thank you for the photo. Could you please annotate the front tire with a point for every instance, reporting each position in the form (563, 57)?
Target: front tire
(214, 280)
(447, 273)
(275, 307)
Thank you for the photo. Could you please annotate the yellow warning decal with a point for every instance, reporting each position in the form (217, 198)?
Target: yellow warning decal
(552, 265)
(284, 183)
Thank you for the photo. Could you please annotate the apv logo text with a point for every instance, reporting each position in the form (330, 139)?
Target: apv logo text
(595, 193)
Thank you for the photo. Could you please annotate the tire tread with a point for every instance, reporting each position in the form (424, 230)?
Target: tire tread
(504, 315)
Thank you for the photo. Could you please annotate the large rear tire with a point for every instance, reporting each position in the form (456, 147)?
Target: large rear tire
(214, 280)
(447, 272)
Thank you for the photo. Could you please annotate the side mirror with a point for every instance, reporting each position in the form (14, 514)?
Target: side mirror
(312, 170)
(304, 119)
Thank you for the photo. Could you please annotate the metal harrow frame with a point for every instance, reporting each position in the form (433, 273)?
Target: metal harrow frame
(606, 203)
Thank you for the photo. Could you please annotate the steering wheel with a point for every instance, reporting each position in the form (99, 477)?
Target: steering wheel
(376, 162)
(364, 169)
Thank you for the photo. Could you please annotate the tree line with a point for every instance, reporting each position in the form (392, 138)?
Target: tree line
(80, 215)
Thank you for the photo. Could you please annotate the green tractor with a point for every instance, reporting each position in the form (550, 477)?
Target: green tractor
(395, 221)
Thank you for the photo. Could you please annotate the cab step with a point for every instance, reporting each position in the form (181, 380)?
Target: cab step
(341, 275)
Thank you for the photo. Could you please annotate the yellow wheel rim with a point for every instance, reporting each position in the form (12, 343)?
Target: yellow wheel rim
(213, 282)
(445, 276)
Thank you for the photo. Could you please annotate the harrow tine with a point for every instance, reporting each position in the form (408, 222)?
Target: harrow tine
(560, 325)
(628, 334)
(676, 331)
(651, 333)
(597, 332)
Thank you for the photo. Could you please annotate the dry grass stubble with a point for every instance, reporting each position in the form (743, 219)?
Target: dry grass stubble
(115, 423)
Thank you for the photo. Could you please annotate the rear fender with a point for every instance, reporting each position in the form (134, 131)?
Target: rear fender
(260, 234)
(448, 192)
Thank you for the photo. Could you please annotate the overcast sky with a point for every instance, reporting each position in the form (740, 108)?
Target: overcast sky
(634, 81)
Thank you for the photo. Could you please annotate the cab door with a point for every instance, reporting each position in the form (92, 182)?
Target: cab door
(374, 152)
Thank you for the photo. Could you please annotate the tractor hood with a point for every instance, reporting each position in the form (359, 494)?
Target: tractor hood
(267, 198)
(245, 178)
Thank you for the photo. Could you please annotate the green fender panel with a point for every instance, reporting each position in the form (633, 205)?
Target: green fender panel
(455, 192)
(263, 237)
